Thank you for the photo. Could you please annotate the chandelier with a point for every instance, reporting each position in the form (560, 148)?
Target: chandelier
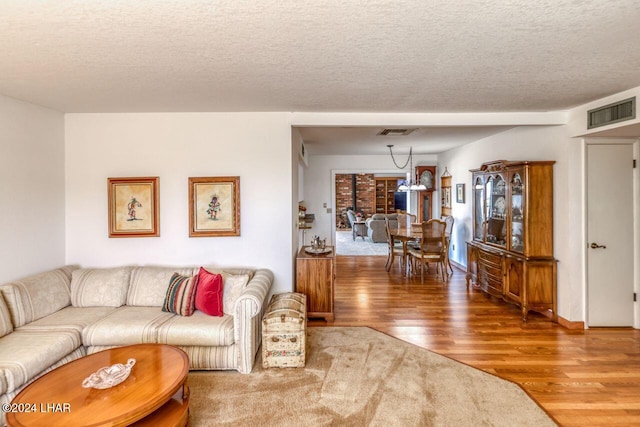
(409, 184)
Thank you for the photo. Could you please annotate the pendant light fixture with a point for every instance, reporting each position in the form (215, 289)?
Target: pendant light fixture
(409, 184)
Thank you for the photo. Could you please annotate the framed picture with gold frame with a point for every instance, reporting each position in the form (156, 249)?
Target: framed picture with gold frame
(214, 206)
(134, 207)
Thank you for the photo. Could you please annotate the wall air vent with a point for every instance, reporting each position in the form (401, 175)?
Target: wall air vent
(395, 132)
(612, 113)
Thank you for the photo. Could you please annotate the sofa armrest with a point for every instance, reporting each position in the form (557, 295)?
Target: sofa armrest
(247, 318)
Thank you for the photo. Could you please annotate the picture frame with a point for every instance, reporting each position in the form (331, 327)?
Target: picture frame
(134, 206)
(214, 206)
(460, 193)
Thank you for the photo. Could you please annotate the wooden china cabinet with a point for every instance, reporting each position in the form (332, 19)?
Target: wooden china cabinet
(511, 253)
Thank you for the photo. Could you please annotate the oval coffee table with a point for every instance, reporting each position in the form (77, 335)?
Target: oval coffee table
(155, 390)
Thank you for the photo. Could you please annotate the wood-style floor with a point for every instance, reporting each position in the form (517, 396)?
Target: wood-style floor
(581, 378)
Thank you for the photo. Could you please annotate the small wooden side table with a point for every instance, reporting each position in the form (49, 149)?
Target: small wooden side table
(315, 275)
(359, 229)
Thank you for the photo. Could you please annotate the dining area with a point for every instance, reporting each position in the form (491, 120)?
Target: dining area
(419, 245)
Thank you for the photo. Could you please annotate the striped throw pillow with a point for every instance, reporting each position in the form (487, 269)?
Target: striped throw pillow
(181, 293)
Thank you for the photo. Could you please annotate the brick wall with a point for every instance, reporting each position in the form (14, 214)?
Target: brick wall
(365, 196)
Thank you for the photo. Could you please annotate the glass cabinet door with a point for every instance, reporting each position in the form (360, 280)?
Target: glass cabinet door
(516, 187)
(496, 210)
(478, 215)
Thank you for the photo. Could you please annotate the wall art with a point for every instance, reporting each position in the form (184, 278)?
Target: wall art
(460, 193)
(134, 207)
(214, 206)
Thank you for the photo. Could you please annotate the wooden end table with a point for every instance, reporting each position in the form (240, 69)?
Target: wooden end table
(359, 229)
(155, 393)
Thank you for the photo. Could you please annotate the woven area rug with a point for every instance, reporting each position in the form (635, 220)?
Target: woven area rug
(345, 245)
(355, 376)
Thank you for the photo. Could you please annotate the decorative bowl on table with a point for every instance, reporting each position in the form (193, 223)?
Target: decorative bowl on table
(109, 376)
(317, 251)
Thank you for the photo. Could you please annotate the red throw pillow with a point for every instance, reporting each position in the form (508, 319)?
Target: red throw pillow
(209, 293)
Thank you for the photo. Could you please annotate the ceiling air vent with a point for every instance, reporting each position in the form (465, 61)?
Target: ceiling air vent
(395, 132)
(612, 113)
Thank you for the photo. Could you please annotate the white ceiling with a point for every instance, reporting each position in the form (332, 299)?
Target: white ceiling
(365, 140)
(318, 56)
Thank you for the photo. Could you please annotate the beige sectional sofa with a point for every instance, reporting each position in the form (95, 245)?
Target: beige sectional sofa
(376, 227)
(49, 319)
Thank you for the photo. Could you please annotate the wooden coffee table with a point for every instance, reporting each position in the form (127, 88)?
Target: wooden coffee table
(155, 393)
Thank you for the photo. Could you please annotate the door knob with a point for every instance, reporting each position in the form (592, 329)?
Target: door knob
(597, 246)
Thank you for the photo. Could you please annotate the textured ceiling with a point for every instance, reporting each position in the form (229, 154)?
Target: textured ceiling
(365, 140)
(317, 56)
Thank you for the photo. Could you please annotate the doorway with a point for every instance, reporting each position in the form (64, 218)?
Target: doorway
(610, 234)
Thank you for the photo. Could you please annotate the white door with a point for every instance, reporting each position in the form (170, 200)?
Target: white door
(610, 234)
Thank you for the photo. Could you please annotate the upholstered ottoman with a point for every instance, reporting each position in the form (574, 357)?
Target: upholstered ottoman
(284, 331)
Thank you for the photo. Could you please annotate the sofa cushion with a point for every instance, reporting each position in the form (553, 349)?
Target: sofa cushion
(181, 295)
(148, 284)
(6, 326)
(100, 287)
(69, 318)
(8, 396)
(3, 382)
(378, 216)
(231, 270)
(209, 293)
(126, 325)
(23, 355)
(37, 296)
(197, 330)
(232, 288)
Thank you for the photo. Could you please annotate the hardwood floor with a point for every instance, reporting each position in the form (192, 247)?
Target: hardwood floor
(580, 377)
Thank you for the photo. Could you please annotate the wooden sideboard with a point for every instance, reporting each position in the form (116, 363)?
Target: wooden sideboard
(315, 276)
(510, 255)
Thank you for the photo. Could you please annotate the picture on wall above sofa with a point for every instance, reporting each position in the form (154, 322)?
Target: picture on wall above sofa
(214, 206)
(134, 207)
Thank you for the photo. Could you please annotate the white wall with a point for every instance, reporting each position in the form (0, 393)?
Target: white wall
(531, 143)
(31, 189)
(578, 117)
(176, 146)
(319, 183)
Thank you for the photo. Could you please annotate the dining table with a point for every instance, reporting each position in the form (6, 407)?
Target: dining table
(410, 234)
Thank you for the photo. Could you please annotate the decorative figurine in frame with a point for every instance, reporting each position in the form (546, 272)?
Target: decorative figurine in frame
(214, 206)
(134, 207)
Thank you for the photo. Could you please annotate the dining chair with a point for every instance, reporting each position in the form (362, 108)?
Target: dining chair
(448, 230)
(405, 220)
(395, 248)
(432, 247)
(402, 220)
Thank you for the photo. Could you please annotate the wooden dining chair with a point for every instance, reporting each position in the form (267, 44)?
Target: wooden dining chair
(404, 220)
(432, 247)
(395, 248)
(448, 230)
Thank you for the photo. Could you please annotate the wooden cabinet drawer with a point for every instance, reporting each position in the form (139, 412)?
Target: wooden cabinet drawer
(489, 258)
(493, 271)
(495, 286)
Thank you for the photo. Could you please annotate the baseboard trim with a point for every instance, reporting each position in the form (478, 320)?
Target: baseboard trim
(569, 324)
(458, 266)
